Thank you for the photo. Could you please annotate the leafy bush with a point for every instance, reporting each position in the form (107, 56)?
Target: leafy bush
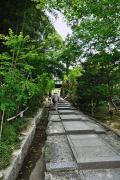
(9, 134)
(20, 124)
(24, 72)
(7, 144)
(10, 140)
(5, 154)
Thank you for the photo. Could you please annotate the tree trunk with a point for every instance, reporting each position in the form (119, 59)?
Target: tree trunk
(92, 107)
(1, 127)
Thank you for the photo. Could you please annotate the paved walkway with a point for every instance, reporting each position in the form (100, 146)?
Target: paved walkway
(78, 148)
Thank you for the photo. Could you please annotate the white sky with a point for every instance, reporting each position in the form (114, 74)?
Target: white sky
(60, 25)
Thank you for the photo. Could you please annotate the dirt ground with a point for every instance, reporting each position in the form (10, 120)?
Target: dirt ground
(35, 150)
(113, 121)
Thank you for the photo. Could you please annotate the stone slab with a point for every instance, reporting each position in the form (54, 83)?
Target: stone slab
(82, 127)
(54, 117)
(82, 116)
(71, 175)
(65, 108)
(77, 127)
(67, 111)
(55, 128)
(100, 174)
(111, 138)
(58, 155)
(91, 151)
(97, 128)
(52, 112)
(65, 105)
(96, 174)
(68, 117)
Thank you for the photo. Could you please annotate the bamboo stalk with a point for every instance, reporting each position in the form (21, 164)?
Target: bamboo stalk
(1, 126)
(19, 114)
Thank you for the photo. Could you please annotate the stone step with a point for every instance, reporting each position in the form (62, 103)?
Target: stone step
(58, 154)
(65, 175)
(53, 112)
(100, 174)
(54, 117)
(92, 152)
(65, 107)
(55, 128)
(64, 104)
(75, 149)
(68, 111)
(73, 117)
(96, 174)
(80, 127)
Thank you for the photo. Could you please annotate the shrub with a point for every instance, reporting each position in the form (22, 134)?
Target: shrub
(20, 124)
(5, 154)
(9, 134)
(10, 140)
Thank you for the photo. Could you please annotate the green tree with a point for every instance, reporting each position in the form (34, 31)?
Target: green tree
(96, 29)
(99, 82)
(25, 71)
(70, 83)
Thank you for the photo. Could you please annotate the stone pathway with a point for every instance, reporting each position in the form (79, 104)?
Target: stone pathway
(76, 148)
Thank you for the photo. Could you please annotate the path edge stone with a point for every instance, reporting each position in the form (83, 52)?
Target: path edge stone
(18, 156)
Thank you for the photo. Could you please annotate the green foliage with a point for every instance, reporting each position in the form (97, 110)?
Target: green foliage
(7, 144)
(10, 140)
(9, 135)
(40, 4)
(23, 16)
(15, 90)
(26, 71)
(30, 58)
(70, 82)
(96, 41)
(100, 80)
(5, 155)
(20, 124)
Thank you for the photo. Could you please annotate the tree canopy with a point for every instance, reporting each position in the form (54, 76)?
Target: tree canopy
(33, 50)
(30, 51)
(95, 44)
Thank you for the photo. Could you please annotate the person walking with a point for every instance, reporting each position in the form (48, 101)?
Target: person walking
(55, 99)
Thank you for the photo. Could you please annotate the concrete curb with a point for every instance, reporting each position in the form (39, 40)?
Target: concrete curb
(11, 172)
